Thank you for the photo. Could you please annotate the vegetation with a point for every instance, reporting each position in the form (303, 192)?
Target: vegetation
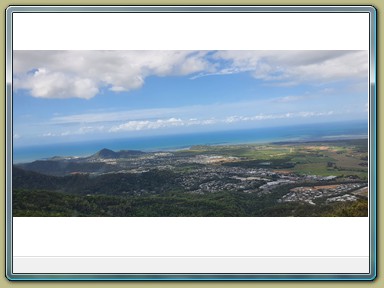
(107, 184)
(223, 180)
(40, 203)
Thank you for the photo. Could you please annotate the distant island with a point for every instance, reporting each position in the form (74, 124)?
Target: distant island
(312, 178)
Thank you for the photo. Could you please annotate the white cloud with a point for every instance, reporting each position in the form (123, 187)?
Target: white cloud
(233, 119)
(294, 67)
(185, 124)
(137, 114)
(44, 84)
(146, 124)
(66, 74)
(139, 125)
(191, 112)
(82, 74)
(286, 99)
(82, 130)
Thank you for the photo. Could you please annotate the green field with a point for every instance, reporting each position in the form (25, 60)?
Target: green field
(337, 158)
(203, 181)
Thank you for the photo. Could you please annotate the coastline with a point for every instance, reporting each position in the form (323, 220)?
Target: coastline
(273, 135)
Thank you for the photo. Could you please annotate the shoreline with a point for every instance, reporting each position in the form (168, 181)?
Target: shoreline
(186, 148)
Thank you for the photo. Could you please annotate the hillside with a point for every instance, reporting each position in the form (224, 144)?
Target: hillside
(327, 178)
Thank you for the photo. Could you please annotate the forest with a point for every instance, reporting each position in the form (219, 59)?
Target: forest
(315, 179)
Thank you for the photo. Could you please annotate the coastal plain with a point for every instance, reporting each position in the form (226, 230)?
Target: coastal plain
(282, 179)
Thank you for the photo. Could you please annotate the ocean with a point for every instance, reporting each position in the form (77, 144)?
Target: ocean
(309, 132)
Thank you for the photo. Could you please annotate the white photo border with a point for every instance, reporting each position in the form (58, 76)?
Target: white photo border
(12, 11)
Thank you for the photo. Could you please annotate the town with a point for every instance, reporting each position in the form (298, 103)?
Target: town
(248, 169)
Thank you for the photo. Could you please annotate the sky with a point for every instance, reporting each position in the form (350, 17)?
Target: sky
(70, 96)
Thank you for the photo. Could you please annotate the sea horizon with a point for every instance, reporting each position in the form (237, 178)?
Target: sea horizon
(294, 133)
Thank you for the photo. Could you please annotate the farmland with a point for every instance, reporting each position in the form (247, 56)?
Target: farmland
(323, 178)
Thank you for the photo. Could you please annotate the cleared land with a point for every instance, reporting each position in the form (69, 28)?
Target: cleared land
(327, 178)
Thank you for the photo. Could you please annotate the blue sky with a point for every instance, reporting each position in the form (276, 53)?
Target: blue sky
(69, 96)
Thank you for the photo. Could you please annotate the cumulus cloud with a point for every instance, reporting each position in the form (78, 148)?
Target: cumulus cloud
(167, 124)
(139, 125)
(294, 67)
(82, 74)
(66, 74)
(233, 119)
(82, 130)
(146, 124)
(47, 84)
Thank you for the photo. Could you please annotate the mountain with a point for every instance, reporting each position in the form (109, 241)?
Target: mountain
(109, 154)
(23, 179)
(65, 167)
(105, 154)
(62, 166)
(150, 182)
